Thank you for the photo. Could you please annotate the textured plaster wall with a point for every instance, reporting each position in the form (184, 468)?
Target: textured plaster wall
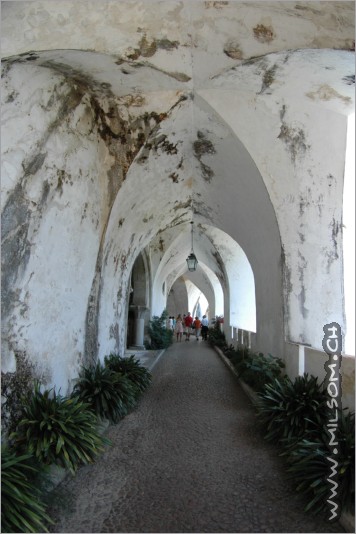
(55, 198)
(304, 178)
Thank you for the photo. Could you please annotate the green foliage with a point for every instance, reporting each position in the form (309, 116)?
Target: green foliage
(109, 394)
(22, 509)
(58, 430)
(289, 409)
(310, 468)
(256, 369)
(160, 336)
(216, 337)
(130, 368)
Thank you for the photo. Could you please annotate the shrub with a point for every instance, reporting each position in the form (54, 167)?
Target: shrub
(309, 467)
(160, 336)
(110, 395)
(58, 430)
(130, 368)
(21, 507)
(257, 370)
(288, 409)
(217, 337)
(229, 352)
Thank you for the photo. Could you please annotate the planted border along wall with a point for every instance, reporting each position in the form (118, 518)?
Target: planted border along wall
(314, 361)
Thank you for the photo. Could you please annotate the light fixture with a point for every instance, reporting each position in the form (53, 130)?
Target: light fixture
(192, 261)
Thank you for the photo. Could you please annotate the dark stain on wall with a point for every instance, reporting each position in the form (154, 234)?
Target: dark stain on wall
(349, 80)
(161, 141)
(294, 140)
(91, 320)
(34, 164)
(216, 4)
(221, 272)
(201, 147)
(301, 237)
(263, 34)
(148, 47)
(114, 334)
(200, 208)
(11, 97)
(268, 78)
(332, 255)
(14, 388)
(16, 248)
(46, 188)
(182, 205)
(166, 44)
(302, 297)
(282, 112)
(287, 286)
(233, 50)
(60, 177)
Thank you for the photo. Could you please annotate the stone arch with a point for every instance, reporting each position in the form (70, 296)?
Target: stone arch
(308, 198)
(218, 147)
(138, 302)
(241, 209)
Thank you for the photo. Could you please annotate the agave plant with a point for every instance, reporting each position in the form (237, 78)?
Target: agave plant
(58, 430)
(21, 507)
(288, 409)
(110, 394)
(130, 368)
(310, 467)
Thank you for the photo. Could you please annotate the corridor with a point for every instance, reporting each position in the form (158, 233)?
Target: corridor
(188, 459)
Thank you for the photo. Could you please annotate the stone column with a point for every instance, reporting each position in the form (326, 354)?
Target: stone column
(139, 326)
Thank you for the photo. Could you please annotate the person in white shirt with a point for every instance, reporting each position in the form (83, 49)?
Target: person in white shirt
(204, 327)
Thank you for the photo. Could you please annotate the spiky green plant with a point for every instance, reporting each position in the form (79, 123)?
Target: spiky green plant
(132, 369)
(58, 430)
(310, 467)
(109, 394)
(22, 509)
(288, 409)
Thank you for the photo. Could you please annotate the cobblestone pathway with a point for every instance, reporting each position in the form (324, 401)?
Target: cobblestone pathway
(188, 459)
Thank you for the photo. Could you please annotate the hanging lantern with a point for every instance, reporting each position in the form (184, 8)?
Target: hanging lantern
(192, 261)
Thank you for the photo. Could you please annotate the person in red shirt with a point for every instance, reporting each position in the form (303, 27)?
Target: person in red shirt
(188, 320)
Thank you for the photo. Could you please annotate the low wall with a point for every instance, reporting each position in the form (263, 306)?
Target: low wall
(314, 361)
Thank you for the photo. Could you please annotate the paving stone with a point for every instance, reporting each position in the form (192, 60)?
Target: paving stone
(189, 458)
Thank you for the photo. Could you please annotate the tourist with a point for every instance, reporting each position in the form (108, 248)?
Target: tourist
(197, 327)
(204, 327)
(179, 327)
(188, 321)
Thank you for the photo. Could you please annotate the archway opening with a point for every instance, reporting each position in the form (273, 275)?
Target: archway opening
(138, 304)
